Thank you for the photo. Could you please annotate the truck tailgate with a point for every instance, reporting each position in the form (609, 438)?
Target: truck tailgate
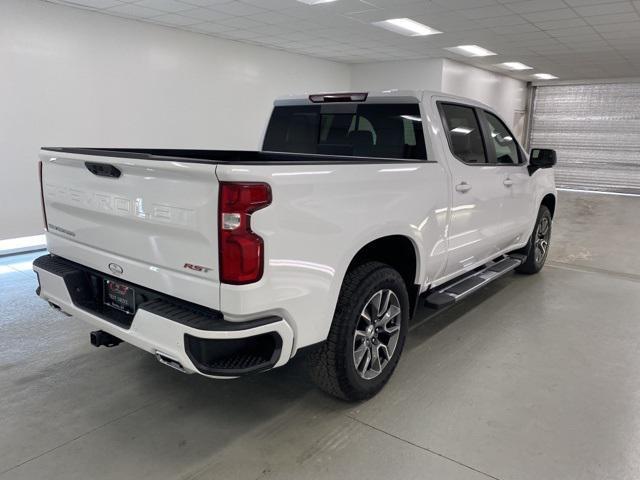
(156, 221)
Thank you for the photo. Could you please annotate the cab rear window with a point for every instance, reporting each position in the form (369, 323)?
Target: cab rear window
(362, 130)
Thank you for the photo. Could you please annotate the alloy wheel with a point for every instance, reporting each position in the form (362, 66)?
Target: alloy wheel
(376, 335)
(543, 232)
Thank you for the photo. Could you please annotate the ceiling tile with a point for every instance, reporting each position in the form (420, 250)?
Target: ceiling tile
(237, 8)
(605, 9)
(210, 28)
(205, 14)
(501, 21)
(548, 15)
(581, 3)
(134, 11)
(170, 6)
(531, 6)
(592, 38)
(98, 4)
(273, 29)
(272, 4)
(527, 27)
(617, 27)
(240, 34)
(545, 50)
(485, 12)
(205, 3)
(240, 22)
(529, 36)
(621, 34)
(269, 17)
(344, 6)
(460, 4)
(615, 18)
(564, 23)
(573, 31)
(175, 20)
(303, 25)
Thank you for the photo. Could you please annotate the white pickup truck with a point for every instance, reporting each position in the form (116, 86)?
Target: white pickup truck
(361, 209)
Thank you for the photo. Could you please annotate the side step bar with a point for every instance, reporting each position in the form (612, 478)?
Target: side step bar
(459, 288)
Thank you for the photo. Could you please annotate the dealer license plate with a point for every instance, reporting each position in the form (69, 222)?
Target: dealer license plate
(119, 296)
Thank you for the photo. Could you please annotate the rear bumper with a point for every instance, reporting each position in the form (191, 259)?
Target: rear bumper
(198, 339)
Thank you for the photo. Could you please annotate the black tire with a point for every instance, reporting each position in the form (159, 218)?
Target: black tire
(535, 260)
(332, 363)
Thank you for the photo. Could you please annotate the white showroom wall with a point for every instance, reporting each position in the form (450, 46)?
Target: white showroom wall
(402, 75)
(71, 77)
(505, 94)
(76, 78)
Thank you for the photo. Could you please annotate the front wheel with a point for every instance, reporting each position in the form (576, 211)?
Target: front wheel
(538, 247)
(367, 334)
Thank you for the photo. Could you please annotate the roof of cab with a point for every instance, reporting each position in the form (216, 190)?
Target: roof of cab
(380, 96)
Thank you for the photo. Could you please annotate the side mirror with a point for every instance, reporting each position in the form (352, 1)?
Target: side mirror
(542, 158)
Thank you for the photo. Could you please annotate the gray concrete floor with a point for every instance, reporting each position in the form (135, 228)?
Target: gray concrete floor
(533, 378)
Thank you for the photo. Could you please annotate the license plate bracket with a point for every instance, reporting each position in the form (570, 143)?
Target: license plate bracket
(120, 296)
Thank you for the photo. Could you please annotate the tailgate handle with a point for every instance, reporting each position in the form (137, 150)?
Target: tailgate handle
(103, 169)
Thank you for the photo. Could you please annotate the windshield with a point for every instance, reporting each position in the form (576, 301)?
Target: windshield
(359, 130)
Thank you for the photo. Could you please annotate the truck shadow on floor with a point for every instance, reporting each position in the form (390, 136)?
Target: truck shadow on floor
(292, 381)
(426, 325)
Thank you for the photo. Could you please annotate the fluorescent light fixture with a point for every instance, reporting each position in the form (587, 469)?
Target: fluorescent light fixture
(412, 118)
(316, 2)
(462, 130)
(544, 76)
(514, 66)
(471, 51)
(406, 26)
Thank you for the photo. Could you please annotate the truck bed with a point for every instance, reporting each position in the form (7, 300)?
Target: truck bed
(215, 157)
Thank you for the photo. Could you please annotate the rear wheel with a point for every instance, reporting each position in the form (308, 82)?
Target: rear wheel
(367, 334)
(538, 247)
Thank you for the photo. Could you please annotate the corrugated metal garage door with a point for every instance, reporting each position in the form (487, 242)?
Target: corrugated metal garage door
(595, 130)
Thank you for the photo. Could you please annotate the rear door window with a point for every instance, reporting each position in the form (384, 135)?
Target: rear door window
(463, 133)
(359, 130)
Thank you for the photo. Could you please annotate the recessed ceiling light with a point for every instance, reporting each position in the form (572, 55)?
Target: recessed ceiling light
(316, 2)
(514, 66)
(471, 51)
(544, 76)
(406, 26)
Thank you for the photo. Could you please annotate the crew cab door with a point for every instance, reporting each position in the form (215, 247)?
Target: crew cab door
(515, 181)
(477, 191)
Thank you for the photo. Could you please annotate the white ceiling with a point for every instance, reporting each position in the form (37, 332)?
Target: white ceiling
(568, 38)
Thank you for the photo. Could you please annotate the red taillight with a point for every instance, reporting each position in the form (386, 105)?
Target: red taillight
(44, 211)
(241, 250)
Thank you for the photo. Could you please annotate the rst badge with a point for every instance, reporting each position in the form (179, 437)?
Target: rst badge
(196, 268)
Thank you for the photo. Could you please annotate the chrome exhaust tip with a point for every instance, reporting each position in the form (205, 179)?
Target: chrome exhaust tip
(170, 361)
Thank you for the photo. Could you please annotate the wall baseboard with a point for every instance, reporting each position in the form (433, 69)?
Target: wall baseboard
(12, 246)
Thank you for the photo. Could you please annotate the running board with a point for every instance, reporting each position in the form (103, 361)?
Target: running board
(454, 291)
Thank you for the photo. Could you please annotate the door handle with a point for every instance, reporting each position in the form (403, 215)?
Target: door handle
(463, 187)
(507, 182)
